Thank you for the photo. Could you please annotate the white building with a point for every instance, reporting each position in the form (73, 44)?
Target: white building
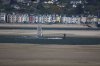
(10, 18)
(74, 2)
(83, 20)
(63, 19)
(13, 18)
(78, 20)
(48, 18)
(20, 0)
(48, 2)
(44, 18)
(36, 19)
(25, 18)
(71, 20)
(68, 20)
(39, 18)
(53, 18)
(58, 18)
(95, 19)
(2, 17)
(31, 18)
(19, 18)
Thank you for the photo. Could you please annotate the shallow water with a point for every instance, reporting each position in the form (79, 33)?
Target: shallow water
(66, 41)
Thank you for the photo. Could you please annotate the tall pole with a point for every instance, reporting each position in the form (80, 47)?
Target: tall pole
(39, 26)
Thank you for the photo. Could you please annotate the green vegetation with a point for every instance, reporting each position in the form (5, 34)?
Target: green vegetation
(87, 7)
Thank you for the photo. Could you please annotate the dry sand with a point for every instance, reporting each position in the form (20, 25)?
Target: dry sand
(45, 25)
(49, 55)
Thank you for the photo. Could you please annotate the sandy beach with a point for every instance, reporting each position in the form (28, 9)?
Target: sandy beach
(25, 54)
(49, 55)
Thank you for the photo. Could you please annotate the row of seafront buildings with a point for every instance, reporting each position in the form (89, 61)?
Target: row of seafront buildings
(47, 18)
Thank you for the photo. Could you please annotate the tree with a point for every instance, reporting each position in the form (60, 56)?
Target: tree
(79, 9)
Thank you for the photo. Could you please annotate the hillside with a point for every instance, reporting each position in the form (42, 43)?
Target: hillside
(68, 7)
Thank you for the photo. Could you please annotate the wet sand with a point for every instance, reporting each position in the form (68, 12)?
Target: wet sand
(49, 55)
